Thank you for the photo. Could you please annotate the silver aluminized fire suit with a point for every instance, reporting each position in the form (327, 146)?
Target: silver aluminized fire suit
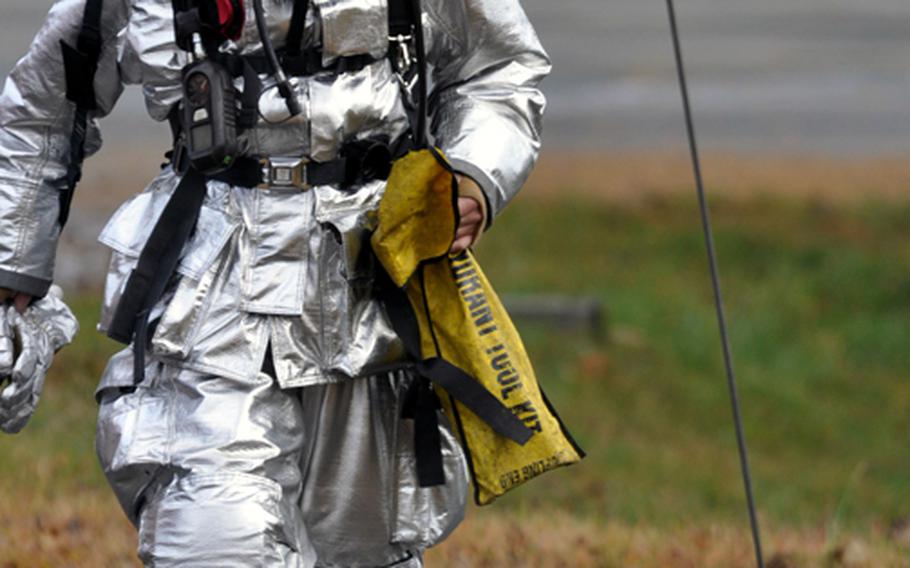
(267, 430)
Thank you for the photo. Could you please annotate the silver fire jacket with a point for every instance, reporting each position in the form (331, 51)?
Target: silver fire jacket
(266, 267)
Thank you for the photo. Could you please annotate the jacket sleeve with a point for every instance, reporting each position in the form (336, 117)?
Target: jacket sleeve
(36, 121)
(486, 107)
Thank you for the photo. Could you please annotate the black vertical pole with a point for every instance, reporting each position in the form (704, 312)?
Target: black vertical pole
(715, 281)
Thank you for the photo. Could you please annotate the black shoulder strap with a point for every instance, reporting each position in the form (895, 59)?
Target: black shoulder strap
(156, 264)
(420, 136)
(80, 64)
(401, 17)
(89, 40)
(190, 18)
(406, 29)
(294, 41)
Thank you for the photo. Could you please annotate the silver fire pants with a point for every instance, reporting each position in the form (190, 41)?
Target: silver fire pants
(221, 472)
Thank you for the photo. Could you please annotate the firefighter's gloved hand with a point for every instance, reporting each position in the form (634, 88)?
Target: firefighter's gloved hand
(28, 342)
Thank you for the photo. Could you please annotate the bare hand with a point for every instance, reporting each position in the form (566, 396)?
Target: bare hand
(20, 300)
(471, 221)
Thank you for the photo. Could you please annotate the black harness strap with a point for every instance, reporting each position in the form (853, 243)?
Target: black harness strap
(401, 18)
(80, 64)
(248, 114)
(157, 262)
(421, 127)
(345, 171)
(294, 40)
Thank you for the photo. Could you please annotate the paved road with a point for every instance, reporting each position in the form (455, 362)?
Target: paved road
(804, 75)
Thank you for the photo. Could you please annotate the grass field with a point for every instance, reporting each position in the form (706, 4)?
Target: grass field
(819, 307)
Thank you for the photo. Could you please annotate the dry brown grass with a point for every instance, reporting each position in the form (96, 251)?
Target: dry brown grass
(83, 530)
(628, 177)
(87, 530)
(552, 539)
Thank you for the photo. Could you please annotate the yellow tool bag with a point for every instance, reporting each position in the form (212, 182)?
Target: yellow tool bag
(462, 340)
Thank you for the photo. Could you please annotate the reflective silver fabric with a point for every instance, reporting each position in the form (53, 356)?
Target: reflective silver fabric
(257, 254)
(223, 472)
(28, 342)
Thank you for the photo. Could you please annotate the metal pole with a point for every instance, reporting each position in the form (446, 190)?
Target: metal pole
(715, 281)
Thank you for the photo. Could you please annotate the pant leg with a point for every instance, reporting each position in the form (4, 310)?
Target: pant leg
(208, 468)
(361, 501)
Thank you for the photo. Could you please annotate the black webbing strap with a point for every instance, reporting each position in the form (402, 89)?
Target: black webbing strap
(74, 167)
(80, 64)
(401, 18)
(294, 42)
(420, 130)
(461, 386)
(420, 405)
(248, 115)
(475, 398)
(156, 264)
(248, 172)
(359, 163)
(187, 21)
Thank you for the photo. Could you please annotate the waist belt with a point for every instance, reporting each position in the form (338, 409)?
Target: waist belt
(302, 174)
(359, 162)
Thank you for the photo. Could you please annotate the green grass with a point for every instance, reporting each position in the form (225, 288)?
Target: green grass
(819, 310)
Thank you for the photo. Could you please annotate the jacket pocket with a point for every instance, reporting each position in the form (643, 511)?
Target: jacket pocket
(126, 234)
(128, 230)
(132, 430)
(339, 17)
(213, 230)
(350, 218)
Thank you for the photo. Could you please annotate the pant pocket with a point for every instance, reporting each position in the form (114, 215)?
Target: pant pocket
(131, 436)
(425, 516)
(220, 519)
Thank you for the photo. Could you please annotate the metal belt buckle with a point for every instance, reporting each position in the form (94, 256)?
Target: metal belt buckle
(404, 61)
(284, 173)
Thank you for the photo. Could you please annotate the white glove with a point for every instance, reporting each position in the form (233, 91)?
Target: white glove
(27, 345)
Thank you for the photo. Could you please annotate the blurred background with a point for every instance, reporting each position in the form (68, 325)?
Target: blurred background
(803, 113)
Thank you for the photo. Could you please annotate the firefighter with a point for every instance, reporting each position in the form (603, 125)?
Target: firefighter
(255, 418)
